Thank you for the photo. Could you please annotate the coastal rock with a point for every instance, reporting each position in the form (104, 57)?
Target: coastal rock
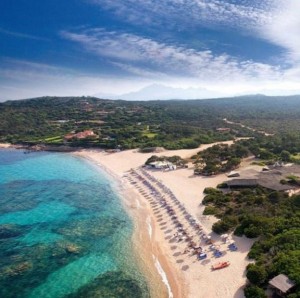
(17, 269)
(9, 231)
(72, 248)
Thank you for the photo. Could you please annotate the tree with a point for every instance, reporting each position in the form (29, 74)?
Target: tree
(264, 154)
(241, 151)
(232, 163)
(285, 155)
(256, 274)
(296, 201)
(274, 197)
(254, 292)
(210, 168)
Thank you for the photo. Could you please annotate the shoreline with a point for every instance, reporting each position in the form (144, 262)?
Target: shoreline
(163, 282)
(154, 265)
(194, 276)
(153, 227)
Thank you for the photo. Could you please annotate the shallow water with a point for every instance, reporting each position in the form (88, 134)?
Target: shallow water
(63, 230)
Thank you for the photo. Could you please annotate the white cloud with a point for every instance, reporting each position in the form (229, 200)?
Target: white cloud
(178, 66)
(143, 55)
(24, 79)
(247, 14)
(21, 35)
(276, 21)
(284, 28)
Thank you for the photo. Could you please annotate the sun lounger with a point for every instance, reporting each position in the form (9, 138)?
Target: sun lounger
(220, 265)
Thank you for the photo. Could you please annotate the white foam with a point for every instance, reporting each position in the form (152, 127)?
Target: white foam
(163, 275)
(148, 221)
(138, 204)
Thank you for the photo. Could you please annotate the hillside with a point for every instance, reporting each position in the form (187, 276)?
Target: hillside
(171, 124)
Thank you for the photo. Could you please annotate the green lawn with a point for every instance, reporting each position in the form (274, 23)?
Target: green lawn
(57, 139)
(149, 135)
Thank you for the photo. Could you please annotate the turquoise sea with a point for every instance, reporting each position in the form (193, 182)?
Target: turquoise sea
(63, 230)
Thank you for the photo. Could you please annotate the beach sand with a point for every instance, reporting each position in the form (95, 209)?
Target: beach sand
(181, 274)
(5, 145)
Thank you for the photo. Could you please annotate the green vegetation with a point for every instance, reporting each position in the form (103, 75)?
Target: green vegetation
(252, 291)
(149, 135)
(170, 124)
(219, 159)
(117, 124)
(275, 148)
(176, 160)
(270, 216)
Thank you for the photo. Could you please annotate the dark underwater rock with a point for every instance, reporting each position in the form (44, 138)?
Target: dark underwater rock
(111, 284)
(17, 269)
(92, 227)
(9, 231)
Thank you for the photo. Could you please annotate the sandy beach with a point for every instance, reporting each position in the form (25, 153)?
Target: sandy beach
(167, 210)
(5, 145)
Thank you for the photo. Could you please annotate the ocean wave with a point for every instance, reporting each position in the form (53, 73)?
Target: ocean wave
(138, 204)
(149, 226)
(163, 275)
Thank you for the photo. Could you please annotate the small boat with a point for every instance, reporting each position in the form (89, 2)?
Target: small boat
(220, 265)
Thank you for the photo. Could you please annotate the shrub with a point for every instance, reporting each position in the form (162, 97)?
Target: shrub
(252, 231)
(209, 199)
(254, 292)
(296, 201)
(211, 190)
(256, 274)
(209, 210)
(225, 224)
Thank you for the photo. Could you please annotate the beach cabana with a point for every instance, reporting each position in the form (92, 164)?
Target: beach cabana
(281, 284)
(239, 183)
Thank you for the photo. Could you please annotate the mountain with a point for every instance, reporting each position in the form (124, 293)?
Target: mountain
(157, 91)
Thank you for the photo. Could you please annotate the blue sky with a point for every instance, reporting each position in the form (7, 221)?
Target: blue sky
(86, 47)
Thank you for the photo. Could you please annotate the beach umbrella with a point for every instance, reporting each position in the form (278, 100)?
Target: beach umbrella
(202, 256)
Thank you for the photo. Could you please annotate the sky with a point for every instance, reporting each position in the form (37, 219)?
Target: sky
(141, 48)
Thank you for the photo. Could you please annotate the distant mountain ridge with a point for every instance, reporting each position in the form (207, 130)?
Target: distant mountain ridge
(161, 92)
(63, 99)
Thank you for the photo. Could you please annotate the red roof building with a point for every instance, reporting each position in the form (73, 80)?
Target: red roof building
(80, 135)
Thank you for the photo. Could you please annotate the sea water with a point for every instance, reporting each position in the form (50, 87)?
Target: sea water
(63, 230)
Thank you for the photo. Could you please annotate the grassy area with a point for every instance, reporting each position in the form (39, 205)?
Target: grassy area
(149, 135)
(259, 163)
(296, 156)
(53, 139)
